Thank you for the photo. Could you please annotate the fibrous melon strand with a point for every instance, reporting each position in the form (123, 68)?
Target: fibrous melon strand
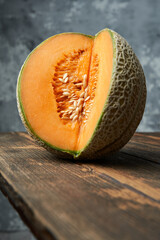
(92, 84)
(73, 91)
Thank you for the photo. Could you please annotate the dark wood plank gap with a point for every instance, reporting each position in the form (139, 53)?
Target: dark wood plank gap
(142, 151)
(149, 133)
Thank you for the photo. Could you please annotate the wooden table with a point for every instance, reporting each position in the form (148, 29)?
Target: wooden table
(118, 198)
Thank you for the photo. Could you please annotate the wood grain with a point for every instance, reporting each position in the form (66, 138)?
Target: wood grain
(146, 146)
(114, 198)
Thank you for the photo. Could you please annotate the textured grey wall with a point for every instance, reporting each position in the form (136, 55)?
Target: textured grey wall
(25, 23)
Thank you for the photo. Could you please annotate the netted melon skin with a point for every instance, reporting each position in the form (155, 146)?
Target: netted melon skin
(123, 109)
(125, 103)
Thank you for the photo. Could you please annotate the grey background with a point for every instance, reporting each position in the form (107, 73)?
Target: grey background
(24, 24)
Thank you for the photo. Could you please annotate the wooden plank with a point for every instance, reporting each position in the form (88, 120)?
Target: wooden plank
(147, 138)
(137, 174)
(118, 198)
(146, 146)
(150, 133)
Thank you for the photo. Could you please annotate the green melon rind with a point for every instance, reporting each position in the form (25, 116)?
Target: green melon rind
(135, 120)
(104, 140)
(100, 118)
(23, 116)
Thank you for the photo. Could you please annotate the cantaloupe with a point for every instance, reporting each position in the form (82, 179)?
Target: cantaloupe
(82, 96)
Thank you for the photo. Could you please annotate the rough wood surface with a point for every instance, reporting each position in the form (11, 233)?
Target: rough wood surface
(116, 198)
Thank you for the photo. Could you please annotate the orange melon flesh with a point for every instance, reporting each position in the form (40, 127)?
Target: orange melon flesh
(41, 91)
(103, 53)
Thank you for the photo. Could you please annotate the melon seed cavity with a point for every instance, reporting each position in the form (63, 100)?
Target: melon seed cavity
(72, 93)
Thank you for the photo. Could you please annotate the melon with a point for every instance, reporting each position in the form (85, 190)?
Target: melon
(82, 96)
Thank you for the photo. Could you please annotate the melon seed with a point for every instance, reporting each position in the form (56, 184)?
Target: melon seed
(66, 80)
(75, 117)
(85, 80)
(82, 95)
(65, 75)
(87, 98)
(66, 93)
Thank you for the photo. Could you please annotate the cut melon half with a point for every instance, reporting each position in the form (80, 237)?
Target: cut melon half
(81, 95)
